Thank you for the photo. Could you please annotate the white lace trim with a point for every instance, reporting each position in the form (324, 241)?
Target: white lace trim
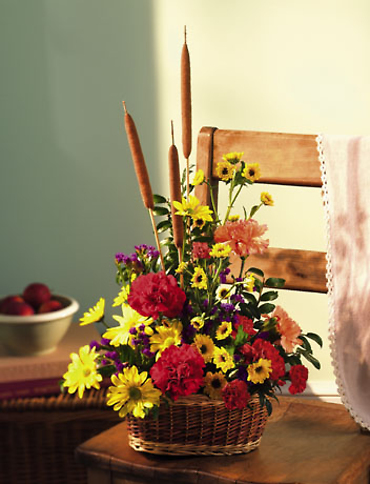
(330, 286)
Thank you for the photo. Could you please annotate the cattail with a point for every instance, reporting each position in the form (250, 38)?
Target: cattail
(175, 194)
(185, 100)
(139, 161)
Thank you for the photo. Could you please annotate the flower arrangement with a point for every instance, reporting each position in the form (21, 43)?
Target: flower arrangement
(188, 322)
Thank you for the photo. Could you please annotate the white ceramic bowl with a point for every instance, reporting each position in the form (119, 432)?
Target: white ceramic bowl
(38, 334)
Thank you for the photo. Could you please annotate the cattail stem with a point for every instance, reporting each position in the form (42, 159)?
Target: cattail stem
(139, 161)
(175, 192)
(157, 238)
(186, 106)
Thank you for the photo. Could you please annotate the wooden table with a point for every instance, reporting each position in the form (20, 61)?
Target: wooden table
(305, 442)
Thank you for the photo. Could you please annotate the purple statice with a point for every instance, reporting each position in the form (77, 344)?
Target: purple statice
(237, 298)
(113, 355)
(94, 344)
(227, 307)
(105, 342)
(263, 335)
(242, 374)
(132, 330)
(223, 275)
(188, 333)
(207, 328)
(146, 352)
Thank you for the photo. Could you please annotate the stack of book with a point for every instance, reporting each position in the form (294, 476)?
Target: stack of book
(32, 376)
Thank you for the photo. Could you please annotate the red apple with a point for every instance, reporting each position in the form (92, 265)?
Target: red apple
(16, 308)
(36, 294)
(50, 306)
(8, 299)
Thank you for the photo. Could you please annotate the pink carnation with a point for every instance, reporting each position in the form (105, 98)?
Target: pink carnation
(179, 371)
(201, 250)
(244, 236)
(235, 394)
(156, 293)
(288, 329)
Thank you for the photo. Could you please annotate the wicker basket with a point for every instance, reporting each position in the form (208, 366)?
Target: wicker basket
(196, 425)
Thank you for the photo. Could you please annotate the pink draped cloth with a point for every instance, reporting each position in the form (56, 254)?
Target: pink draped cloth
(345, 166)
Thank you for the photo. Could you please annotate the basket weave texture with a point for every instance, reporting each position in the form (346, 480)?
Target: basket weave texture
(196, 425)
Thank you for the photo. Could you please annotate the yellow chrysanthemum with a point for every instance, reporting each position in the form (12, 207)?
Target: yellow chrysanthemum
(258, 372)
(233, 157)
(252, 172)
(233, 218)
(198, 178)
(220, 250)
(199, 278)
(205, 346)
(225, 170)
(222, 359)
(82, 371)
(199, 222)
(133, 392)
(266, 199)
(214, 383)
(192, 208)
(95, 314)
(249, 282)
(197, 322)
(164, 337)
(122, 296)
(224, 330)
(120, 335)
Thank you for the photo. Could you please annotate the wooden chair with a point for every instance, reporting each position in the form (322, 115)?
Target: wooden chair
(304, 441)
(285, 159)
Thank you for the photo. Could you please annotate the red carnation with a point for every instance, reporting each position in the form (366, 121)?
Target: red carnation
(298, 375)
(264, 349)
(235, 394)
(247, 325)
(156, 293)
(179, 371)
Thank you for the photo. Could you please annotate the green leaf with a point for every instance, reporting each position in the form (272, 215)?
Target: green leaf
(249, 297)
(269, 296)
(266, 308)
(241, 337)
(159, 199)
(305, 343)
(163, 225)
(160, 211)
(256, 271)
(315, 337)
(312, 359)
(253, 211)
(275, 282)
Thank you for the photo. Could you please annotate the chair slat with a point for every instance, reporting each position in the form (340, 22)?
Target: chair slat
(286, 159)
(303, 270)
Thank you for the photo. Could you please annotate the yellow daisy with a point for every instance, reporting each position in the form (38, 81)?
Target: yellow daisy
(193, 208)
(95, 314)
(198, 178)
(181, 268)
(199, 278)
(133, 392)
(266, 199)
(258, 372)
(214, 383)
(233, 157)
(220, 250)
(252, 172)
(223, 292)
(197, 322)
(122, 296)
(82, 371)
(164, 337)
(120, 335)
(233, 218)
(249, 282)
(205, 346)
(222, 359)
(225, 170)
(224, 330)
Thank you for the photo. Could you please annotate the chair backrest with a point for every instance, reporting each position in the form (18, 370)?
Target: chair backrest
(285, 159)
